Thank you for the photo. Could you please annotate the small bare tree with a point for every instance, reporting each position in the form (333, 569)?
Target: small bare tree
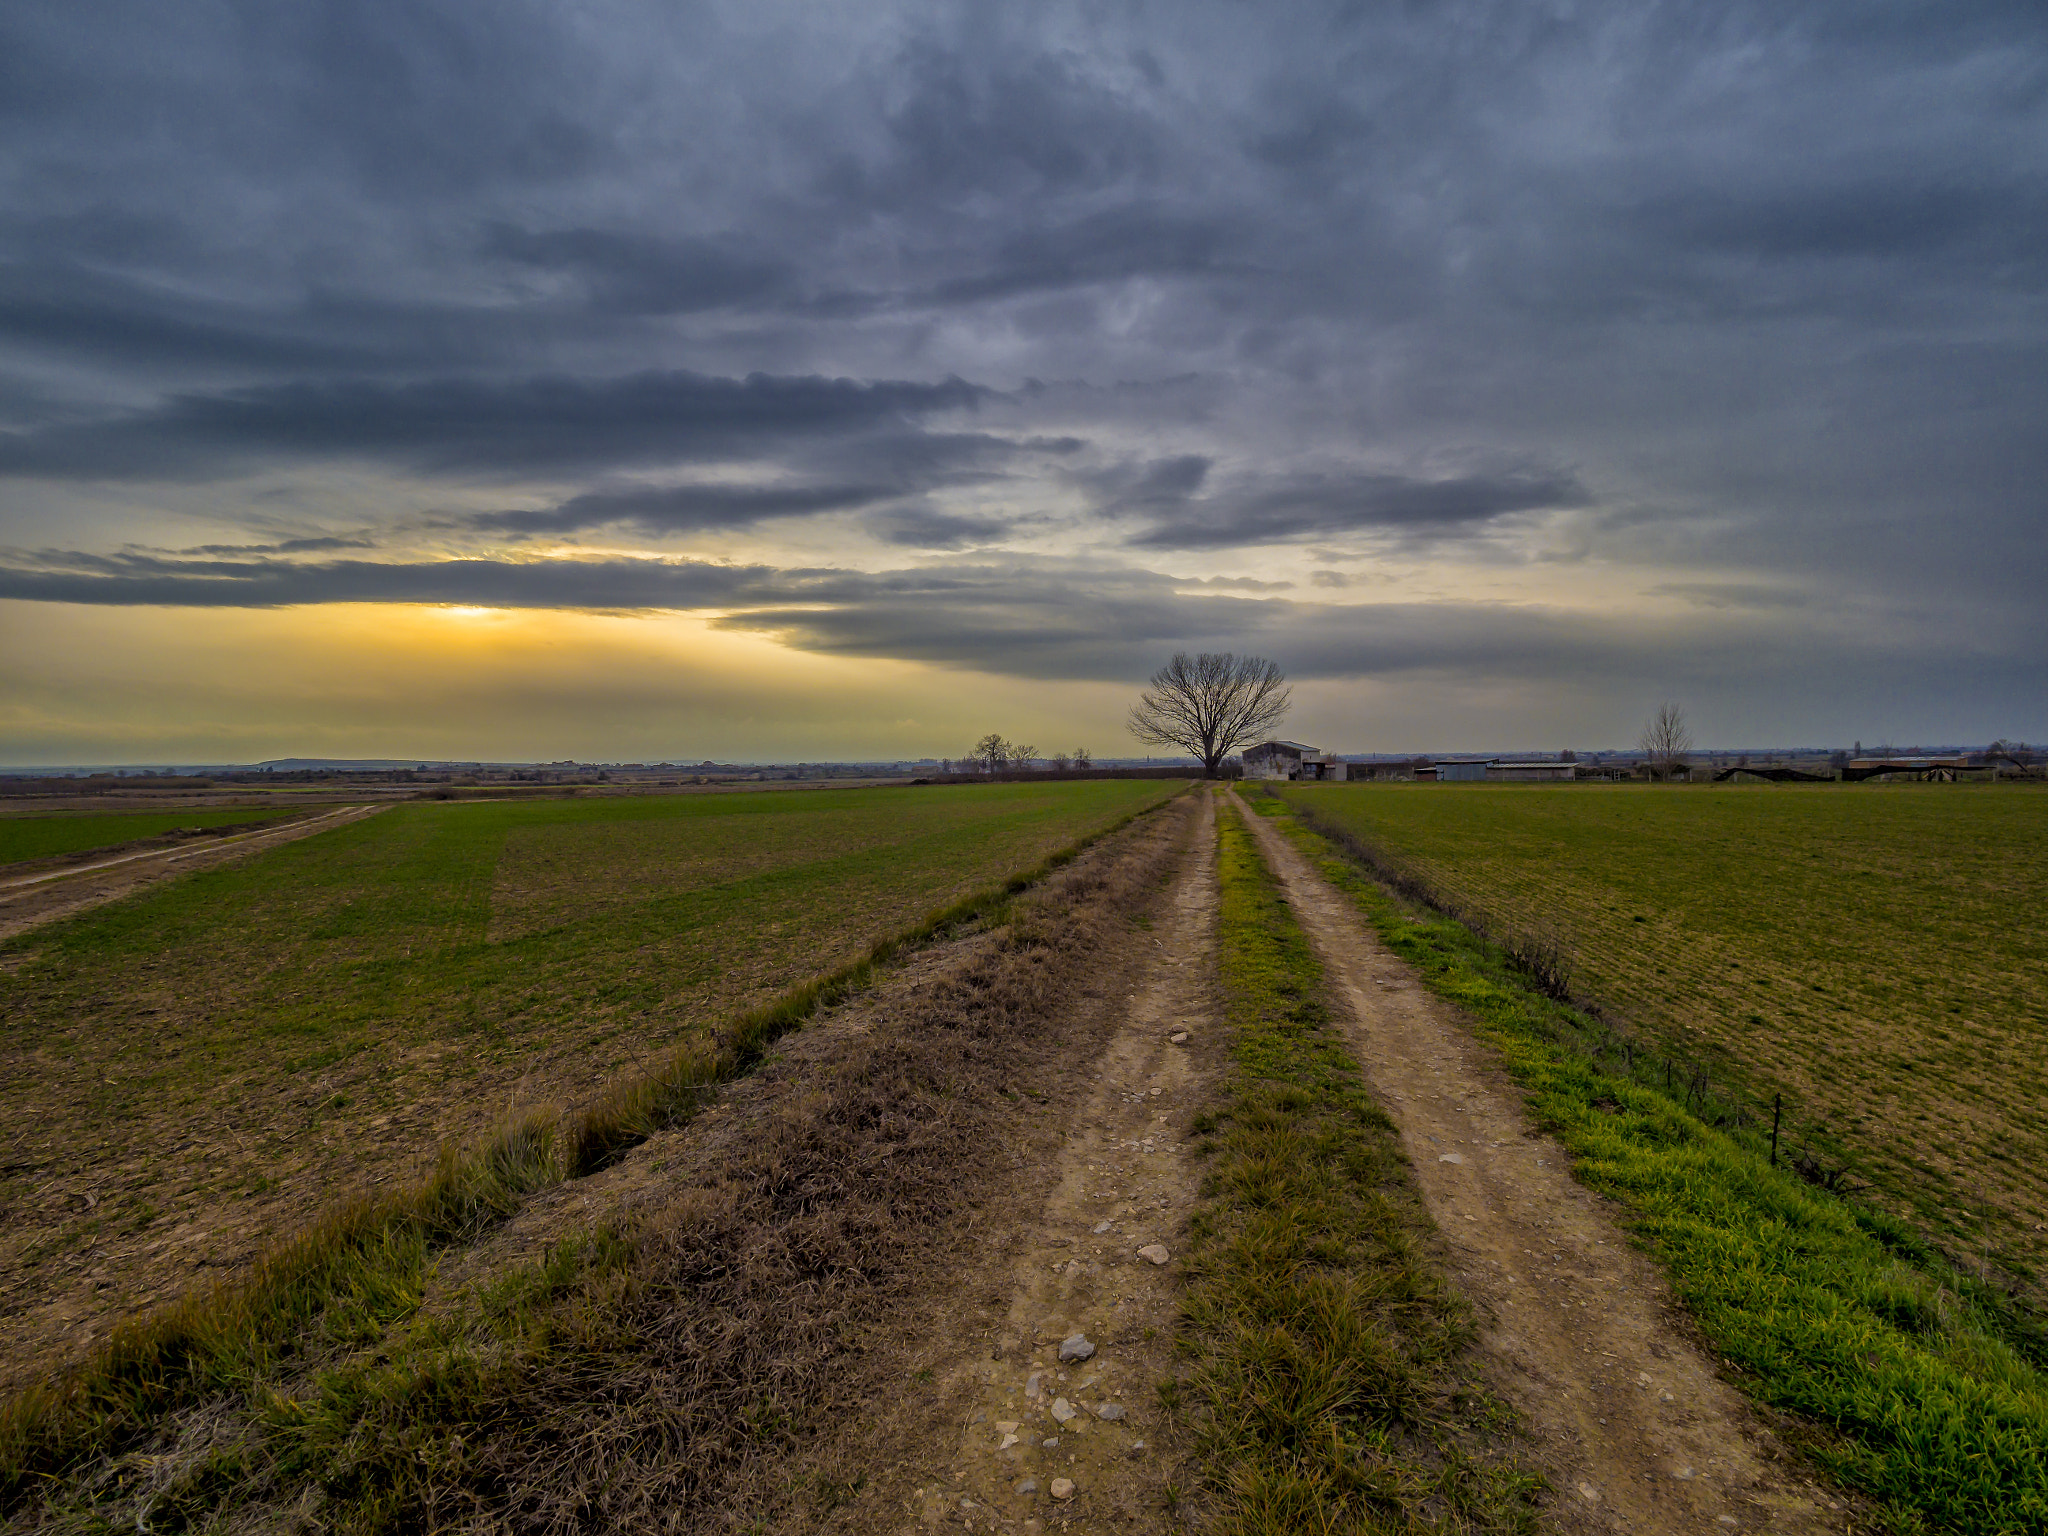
(1023, 756)
(1063, 760)
(1210, 705)
(1665, 741)
(991, 754)
(1083, 758)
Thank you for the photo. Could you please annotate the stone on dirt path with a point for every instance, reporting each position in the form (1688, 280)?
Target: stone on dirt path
(1063, 1487)
(1156, 1252)
(1075, 1348)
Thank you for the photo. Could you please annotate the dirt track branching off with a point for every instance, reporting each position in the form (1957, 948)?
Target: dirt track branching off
(631, 1371)
(1331, 1359)
(186, 1075)
(1871, 954)
(24, 838)
(1916, 1383)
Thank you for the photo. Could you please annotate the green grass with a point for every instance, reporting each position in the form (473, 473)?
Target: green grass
(1917, 1384)
(46, 837)
(1875, 953)
(322, 1341)
(1327, 1351)
(199, 1070)
(240, 1047)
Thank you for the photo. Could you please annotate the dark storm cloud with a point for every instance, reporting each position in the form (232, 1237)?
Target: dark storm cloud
(1110, 247)
(683, 508)
(1767, 277)
(1360, 503)
(639, 274)
(1063, 620)
(468, 426)
(602, 585)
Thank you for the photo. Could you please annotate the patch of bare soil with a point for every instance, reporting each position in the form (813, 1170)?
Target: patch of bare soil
(1577, 1329)
(1054, 1422)
(29, 900)
(850, 1269)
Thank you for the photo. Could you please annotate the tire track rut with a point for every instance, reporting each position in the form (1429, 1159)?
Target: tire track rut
(1045, 1442)
(1578, 1330)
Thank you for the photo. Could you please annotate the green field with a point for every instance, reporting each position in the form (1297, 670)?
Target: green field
(187, 1073)
(47, 837)
(1900, 1374)
(1876, 953)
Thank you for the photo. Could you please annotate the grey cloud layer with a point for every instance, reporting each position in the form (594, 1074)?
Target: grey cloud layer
(1756, 291)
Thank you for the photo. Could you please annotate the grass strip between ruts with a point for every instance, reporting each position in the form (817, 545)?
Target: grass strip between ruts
(1823, 1310)
(358, 1269)
(1327, 1358)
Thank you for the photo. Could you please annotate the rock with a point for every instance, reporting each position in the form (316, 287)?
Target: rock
(1666, 1397)
(1049, 1443)
(1728, 1520)
(1027, 1485)
(1062, 1410)
(1178, 1037)
(1034, 1384)
(1642, 1378)
(1006, 1442)
(1101, 1227)
(1156, 1252)
(1683, 1474)
(1109, 1411)
(1006, 1426)
(1075, 1348)
(1063, 1487)
(1589, 1493)
(1452, 1157)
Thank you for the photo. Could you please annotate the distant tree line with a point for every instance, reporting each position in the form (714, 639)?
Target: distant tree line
(994, 754)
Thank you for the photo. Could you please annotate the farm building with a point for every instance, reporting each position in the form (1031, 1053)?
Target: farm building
(1493, 769)
(1291, 760)
(1933, 769)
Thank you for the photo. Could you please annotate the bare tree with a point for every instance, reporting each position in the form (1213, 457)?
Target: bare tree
(1210, 705)
(1665, 741)
(1063, 760)
(1083, 758)
(1023, 756)
(991, 754)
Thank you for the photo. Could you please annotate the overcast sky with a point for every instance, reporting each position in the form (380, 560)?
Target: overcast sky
(631, 380)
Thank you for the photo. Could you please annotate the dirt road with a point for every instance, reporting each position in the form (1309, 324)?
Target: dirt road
(43, 896)
(1579, 1329)
(1074, 1440)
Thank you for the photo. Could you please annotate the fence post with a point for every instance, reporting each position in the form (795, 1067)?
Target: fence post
(1777, 1108)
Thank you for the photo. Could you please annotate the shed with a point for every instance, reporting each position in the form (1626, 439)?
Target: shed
(1531, 772)
(1278, 760)
(1461, 770)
